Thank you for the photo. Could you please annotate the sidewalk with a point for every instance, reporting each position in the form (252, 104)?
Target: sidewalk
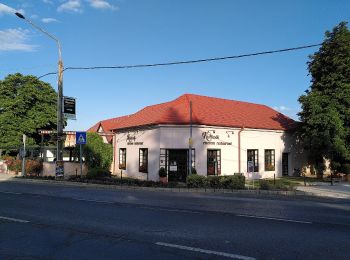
(321, 189)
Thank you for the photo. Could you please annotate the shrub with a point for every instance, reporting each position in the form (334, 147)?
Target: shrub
(195, 181)
(162, 172)
(13, 164)
(34, 167)
(236, 182)
(265, 185)
(98, 173)
(97, 154)
(345, 168)
(213, 182)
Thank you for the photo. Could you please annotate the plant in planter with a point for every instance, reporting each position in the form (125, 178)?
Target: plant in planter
(162, 175)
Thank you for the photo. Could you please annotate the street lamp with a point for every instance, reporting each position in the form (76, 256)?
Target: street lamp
(60, 126)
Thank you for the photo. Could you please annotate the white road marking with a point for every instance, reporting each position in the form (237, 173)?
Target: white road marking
(14, 219)
(10, 192)
(278, 219)
(96, 201)
(171, 210)
(205, 251)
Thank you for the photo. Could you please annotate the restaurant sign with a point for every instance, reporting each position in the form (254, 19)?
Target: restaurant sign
(211, 138)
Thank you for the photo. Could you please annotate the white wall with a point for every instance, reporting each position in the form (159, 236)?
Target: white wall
(149, 139)
(176, 137)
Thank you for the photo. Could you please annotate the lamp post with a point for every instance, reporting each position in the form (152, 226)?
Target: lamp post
(60, 126)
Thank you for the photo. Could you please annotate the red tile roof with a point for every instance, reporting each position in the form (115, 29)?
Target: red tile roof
(205, 111)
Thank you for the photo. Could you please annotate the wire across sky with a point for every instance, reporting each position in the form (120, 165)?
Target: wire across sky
(186, 61)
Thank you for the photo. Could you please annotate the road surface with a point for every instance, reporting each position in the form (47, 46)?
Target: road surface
(62, 222)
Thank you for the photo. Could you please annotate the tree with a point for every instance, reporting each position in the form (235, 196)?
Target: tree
(97, 153)
(26, 105)
(325, 115)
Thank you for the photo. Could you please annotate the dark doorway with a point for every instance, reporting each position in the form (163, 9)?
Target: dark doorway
(285, 165)
(178, 165)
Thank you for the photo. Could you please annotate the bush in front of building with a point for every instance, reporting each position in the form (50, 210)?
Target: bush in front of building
(196, 181)
(97, 154)
(13, 164)
(98, 173)
(34, 167)
(345, 168)
(213, 182)
(234, 182)
(265, 185)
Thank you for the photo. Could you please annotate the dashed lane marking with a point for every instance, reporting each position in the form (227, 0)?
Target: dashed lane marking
(14, 219)
(205, 251)
(277, 219)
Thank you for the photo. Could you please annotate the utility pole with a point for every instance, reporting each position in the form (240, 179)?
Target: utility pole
(60, 126)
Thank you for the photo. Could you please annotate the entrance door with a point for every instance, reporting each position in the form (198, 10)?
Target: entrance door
(285, 165)
(178, 165)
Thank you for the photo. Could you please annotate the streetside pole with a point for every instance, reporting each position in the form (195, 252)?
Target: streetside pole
(81, 160)
(190, 143)
(24, 156)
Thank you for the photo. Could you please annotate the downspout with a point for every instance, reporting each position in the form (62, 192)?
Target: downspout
(114, 151)
(239, 149)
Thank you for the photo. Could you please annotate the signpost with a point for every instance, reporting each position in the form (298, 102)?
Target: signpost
(251, 170)
(24, 156)
(80, 138)
(69, 107)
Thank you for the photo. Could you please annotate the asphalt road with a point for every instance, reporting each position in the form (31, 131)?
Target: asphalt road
(62, 222)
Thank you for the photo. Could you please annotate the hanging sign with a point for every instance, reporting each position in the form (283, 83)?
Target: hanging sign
(69, 108)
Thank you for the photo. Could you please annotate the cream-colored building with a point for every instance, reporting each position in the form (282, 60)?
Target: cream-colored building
(225, 137)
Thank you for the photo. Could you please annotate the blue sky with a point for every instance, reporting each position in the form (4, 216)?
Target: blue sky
(123, 32)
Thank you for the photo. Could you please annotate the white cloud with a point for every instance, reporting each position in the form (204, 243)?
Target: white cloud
(48, 2)
(102, 4)
(282, 108)
(15, 40)
(71, 6)
(49, 20)
(4, 9)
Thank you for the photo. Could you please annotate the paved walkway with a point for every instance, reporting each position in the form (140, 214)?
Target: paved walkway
(5, 177)
(338, 190)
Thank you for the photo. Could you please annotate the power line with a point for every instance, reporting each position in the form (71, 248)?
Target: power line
(185, 62)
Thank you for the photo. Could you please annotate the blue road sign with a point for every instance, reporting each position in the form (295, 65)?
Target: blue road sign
(80, 137)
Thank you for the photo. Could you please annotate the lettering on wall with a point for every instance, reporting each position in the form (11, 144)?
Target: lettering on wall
(211, 138)
(131, 140)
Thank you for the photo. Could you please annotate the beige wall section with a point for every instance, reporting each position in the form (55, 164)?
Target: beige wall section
(149, 139)
(226, 139)
(69, 169)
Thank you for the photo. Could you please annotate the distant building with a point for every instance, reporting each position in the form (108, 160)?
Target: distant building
(227, 137)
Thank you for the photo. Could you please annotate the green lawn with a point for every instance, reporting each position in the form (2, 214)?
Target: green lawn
(283, 183)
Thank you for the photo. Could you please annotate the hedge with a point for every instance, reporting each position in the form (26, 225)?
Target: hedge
(217, 182)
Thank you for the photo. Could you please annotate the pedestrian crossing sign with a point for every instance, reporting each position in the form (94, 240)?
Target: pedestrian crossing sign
(80, 137)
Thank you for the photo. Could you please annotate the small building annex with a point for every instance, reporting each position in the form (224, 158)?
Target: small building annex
(227, 137)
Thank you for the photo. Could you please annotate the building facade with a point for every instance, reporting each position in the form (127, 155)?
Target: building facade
(209, 135)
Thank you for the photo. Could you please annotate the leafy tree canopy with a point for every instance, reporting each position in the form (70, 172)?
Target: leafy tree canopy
(325, 115)
(26, 105)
